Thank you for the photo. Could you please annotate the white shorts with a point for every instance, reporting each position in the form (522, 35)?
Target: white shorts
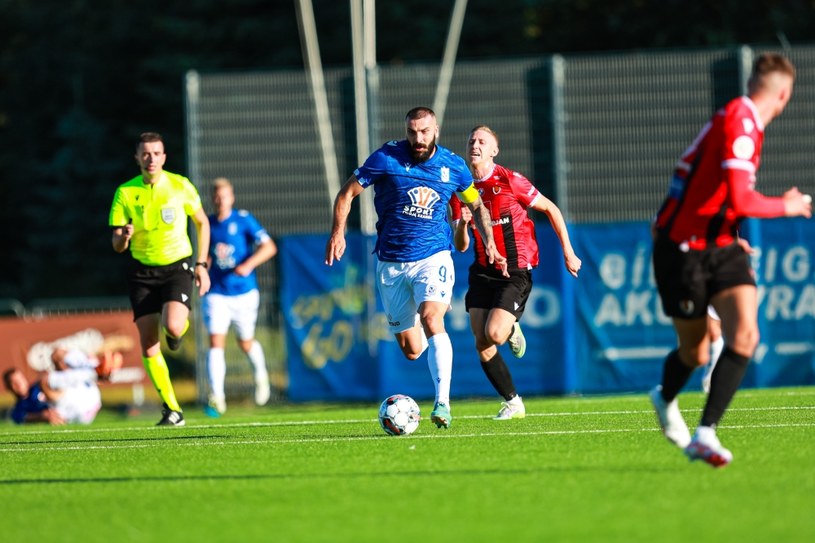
(79, 404)
(403, 286)
(712, 313)
(221, 310)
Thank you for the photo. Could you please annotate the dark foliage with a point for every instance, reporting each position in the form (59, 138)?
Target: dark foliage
(80, 79)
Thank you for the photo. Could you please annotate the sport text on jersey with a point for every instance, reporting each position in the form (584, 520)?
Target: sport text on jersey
(422, 200)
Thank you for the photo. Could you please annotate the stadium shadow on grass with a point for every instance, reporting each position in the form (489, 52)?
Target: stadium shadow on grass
(168, 437)
(365, 475)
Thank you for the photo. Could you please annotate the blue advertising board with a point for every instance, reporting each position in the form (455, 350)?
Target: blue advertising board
(603, 332)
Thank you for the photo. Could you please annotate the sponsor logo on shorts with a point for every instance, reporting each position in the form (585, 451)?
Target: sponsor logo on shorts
(686, 306)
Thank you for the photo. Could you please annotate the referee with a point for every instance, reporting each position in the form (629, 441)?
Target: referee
(149, 217)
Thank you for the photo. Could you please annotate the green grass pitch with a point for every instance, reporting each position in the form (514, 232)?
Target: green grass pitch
(576, 469)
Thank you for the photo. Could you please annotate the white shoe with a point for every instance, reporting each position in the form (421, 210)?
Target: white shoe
(706, 446)
(217, 404)
(262, 392)
(670, 419)
(513, 409)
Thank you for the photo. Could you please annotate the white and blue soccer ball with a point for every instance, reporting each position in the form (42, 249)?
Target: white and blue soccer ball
(399, 415)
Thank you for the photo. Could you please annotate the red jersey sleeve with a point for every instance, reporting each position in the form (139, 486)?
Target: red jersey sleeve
(740, 160)
(455, 208)
(523, 189)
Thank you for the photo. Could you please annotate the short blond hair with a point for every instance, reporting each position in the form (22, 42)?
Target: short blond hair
(488, 130)
(221, 182)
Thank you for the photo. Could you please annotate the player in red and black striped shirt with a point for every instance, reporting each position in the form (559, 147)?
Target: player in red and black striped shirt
(698, 259)
(496, 302)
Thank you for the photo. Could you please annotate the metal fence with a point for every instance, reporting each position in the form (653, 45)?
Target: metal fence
(598, 133)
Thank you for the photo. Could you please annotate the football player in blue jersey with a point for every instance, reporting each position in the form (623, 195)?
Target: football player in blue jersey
(238, 245)
(413, 180)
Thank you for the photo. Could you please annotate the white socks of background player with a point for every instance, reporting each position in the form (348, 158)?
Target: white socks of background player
(216, 368)
(216, 371)
(716, 349)
(258, 360)
(440, 363)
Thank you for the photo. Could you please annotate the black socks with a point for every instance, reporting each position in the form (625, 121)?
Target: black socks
(497, 372)
(674, 376)
(724, 383)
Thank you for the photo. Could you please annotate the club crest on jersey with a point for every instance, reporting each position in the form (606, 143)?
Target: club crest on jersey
(422, 200)
(232, 228)
(744, 147)
(445, 174)
(168, 215)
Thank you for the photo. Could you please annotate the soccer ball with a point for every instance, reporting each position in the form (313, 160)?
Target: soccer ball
(399, 415)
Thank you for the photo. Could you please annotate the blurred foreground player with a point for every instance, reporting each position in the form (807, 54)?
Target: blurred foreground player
(698, 259)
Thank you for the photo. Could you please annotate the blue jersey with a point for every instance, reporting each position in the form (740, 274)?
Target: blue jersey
(232, 241)
(33, 403)
(411, 200)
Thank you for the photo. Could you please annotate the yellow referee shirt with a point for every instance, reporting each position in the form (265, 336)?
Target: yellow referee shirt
(159, 214)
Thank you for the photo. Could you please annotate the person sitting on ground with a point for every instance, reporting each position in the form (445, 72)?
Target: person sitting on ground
(62, 397)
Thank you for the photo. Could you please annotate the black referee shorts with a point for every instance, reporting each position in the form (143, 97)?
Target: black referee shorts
(687, 280)
(150, 287)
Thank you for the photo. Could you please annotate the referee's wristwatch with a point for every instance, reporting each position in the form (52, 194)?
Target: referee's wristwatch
(202, 264)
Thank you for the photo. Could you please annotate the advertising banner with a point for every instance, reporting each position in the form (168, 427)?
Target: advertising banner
(603, 332)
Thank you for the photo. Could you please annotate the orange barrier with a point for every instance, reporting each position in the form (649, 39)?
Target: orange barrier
(26, 343)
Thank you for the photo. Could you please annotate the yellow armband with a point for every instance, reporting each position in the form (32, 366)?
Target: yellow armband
(468, 195)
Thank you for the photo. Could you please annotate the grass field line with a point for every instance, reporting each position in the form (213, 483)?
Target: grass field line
(40, 447)
(259, 424)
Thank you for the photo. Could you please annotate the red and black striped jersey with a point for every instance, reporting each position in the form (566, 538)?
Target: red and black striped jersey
(506, 195)
(713, 186)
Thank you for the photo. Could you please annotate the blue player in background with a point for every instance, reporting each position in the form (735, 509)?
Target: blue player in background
(238, 245)
(413, 180)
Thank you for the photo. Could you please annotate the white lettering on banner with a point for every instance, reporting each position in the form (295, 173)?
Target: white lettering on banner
(641, 263)
(542, 310)
(542, 307)
(638, 303)
(630, 308)
(614, 268)
(794, 263)
(782, 302)
(786, 292)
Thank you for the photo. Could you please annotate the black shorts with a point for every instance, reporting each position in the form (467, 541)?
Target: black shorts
(687, 280)
(150, 287)
(490, 292)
